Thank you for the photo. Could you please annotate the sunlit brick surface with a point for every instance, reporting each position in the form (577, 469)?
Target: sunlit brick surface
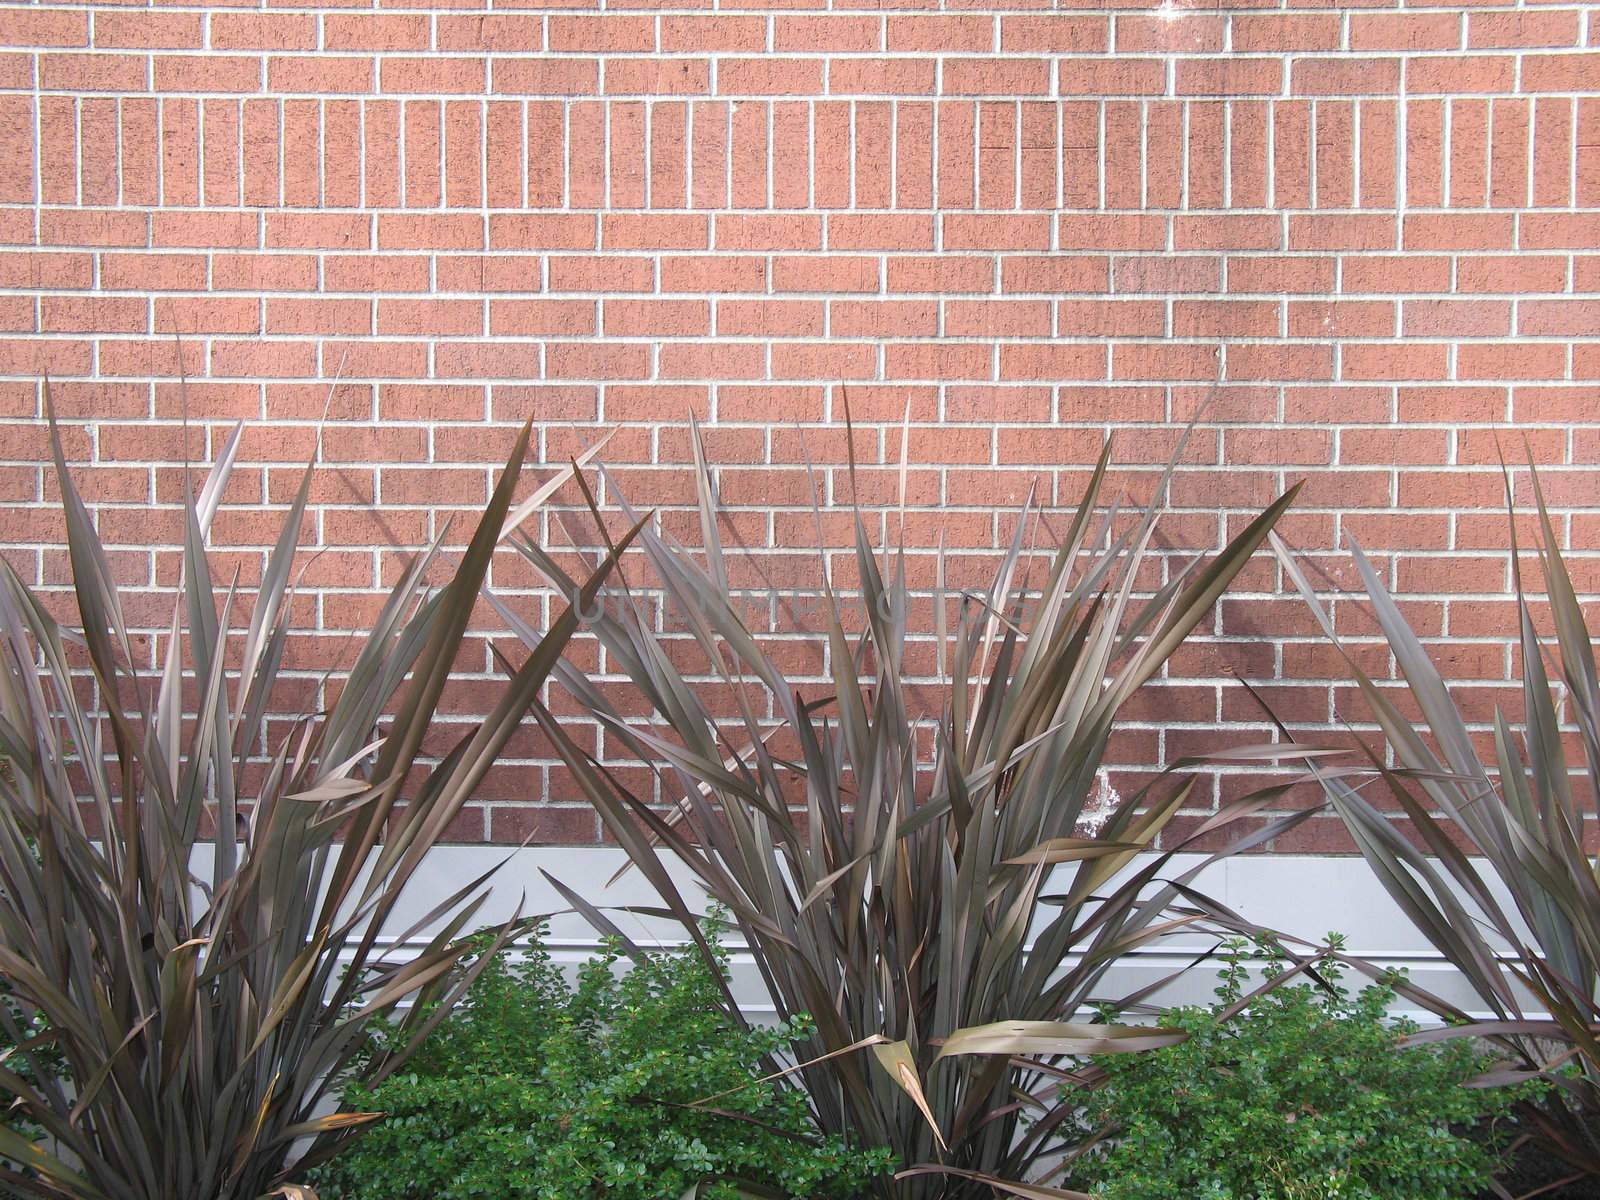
(1369, 236)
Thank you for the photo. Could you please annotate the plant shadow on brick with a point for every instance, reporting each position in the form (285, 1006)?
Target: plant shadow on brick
(198, 1004)
(535, 1091)
(1294, 1089)
(1524, 929)
(888, 868)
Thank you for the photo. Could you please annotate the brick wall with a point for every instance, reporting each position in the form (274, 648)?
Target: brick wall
(1369, 235)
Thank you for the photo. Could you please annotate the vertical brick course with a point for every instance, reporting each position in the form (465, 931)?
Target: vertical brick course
(1368, 239)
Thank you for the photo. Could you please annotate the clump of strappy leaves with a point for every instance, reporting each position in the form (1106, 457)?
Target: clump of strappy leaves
(199, 868)
(1303, 1090)
(631, 1085)
(1498, 871)
(906, 860)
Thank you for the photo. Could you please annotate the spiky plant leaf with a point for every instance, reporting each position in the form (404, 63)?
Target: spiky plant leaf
(889, 866)
(1499, 879)
(206, 1017)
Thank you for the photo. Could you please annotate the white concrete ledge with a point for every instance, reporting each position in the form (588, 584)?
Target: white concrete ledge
(1302, 895)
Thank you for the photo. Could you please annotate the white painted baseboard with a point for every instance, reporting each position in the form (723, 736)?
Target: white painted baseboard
(1301, 895)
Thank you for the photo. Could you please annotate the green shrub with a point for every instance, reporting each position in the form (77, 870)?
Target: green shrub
(1305, 1094)
(20, 1027)
(533, 1091)
(30, 1026)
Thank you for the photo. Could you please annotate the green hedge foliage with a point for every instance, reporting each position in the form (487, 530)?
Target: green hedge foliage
(538, 1091)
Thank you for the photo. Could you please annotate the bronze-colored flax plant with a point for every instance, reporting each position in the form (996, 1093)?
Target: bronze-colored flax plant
(916, 880)
(196, 890)
(1500, 875)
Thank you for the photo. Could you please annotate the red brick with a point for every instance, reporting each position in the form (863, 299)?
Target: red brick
(1227, 231)
(881, 76)
(588, 273)
(1342, 318)
(1406, 32)
(1456, 231)
(542, 318)
(429, 318)
(609, 33)
(534, 231)
(1511, 273)
(432, 75)
(934, 273)
(1229, 77)
(328, 74)
(46, 28)
(657, 318)
(1460, 73)
(1559, 318)
(886, 232)
(444, 231)
(1370, 273)
(708, 273)
(152, 272)
(1025, 231)
(769, 76)
(937, 361)
(92, 314)
(809, 33)
(1556, 231)
(209, 73)
(1560, 72)
(769, 318)
(1394, 360)
(942, 32)
(1166, 361)
(1352, 232)
(1123, 232)
(125, 31)
(92, 227)
(1532, 28)
(1456, 318)
(513, 33)
(997, 318)
(653, 76)
(1197, 273)
(93, 72)
(1276, 32)
(1007, 75)
(514, 273)
(663, 231)
(1110, 318)
(34, 269)
(1189, 33)
(1111, 76)
(1518, 361)
(1225, 318)
(680, 32)
(258, 31)
(824, 273)
(546, 76)
(1347, 76)
(564, 360)
(883, 318)
(376, 31)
